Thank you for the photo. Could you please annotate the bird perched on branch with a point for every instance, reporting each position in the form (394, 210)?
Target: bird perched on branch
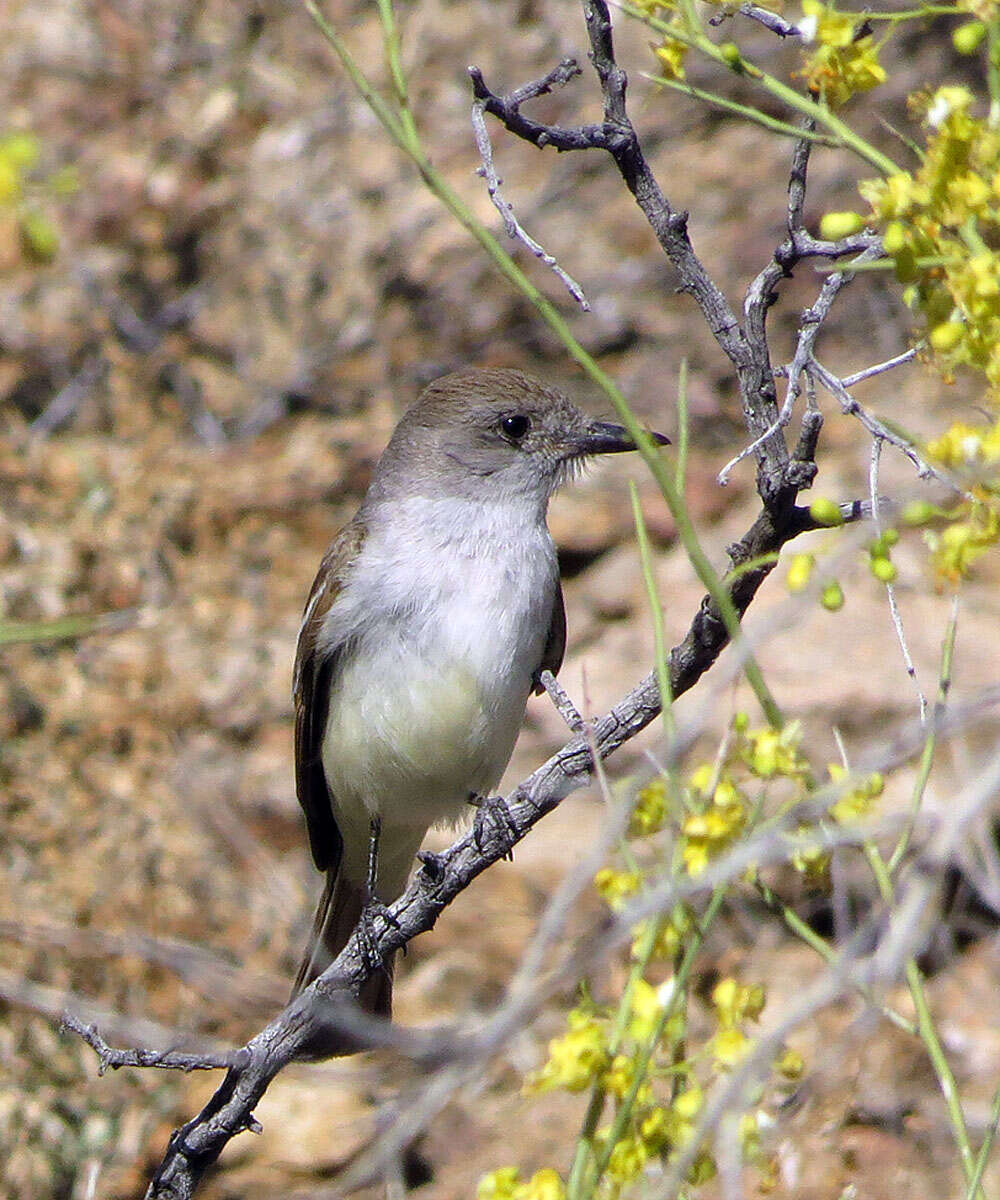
(433, 614)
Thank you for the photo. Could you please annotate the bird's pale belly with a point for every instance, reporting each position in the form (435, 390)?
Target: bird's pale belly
(409, 739)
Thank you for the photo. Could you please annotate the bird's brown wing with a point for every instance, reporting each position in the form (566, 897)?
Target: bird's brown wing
(555, 643)
(314, 670)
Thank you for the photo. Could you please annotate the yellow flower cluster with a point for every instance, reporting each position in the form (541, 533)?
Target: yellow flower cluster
(974, 525)
(671, 54)
(771, 752)
(857, 797)
(506, 1184)
(842, 63)
(720, 821)
(975, 529)
(615, 887)
(650, 810)
(941, 229)
(576, 1059)
(735, 1004)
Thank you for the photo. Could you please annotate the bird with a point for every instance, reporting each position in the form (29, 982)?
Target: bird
(432, 616)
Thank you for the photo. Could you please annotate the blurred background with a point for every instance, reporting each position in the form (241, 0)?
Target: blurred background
(219, 288)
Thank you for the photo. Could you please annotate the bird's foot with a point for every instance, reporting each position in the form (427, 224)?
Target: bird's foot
(373, 912)
(493, 821)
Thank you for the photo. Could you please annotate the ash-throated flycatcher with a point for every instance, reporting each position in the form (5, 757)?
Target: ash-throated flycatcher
(431, 618)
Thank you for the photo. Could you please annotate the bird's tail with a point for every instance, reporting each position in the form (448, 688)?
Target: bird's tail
(337, 916)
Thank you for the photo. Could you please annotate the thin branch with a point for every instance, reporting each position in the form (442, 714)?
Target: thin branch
(770, 20)
(563, 704)
(880, 368)
(878, 429)
(890, 590)
(513, 227)
(169, 1060)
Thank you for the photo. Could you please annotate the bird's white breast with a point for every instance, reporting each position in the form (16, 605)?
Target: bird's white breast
(443, 621)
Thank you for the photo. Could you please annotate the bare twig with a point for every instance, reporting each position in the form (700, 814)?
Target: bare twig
(880, 368)
(877, 428)
(770, 20)
(566, 69)
(560, 698)
(169, 1060)
(63, 406)
(890, 590)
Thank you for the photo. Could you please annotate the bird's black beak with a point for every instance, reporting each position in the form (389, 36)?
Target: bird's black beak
(602, 438)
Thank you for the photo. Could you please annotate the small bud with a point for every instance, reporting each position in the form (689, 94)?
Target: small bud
(894, 238)
(20, 149)
(967, 38)
(39, 237)
(905, 263)
(791, 1064)
(825, 512)
(946, 336)
(919, 512)
(731, 56)
(837, 225)
(883, 569)
(832, 596)
(890, 537)
(799, 571)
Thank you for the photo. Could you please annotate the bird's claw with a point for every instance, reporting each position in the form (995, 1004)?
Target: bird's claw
(373, 911)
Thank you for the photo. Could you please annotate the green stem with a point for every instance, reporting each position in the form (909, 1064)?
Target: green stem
(946, 1079)
(746, 111)
(62, 629)
(645, 1055)
(598, 1094)
(926, 1029)
(683, 429)
(392, 53)
(813, 940)
(656, 612)
(984, 1150)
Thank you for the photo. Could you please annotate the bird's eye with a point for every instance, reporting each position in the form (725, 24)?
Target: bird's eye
(515, 425)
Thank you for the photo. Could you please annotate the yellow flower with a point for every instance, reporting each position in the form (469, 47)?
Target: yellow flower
(618, 1077)
(822, 23)
(957, 547)
(772, 752)
(799, 571)
(543, 1185)
(735, 1002)
(854, 802)
(627, 1160)
(689, 1103)
(945, 102)
(671, 55)
(575, 1059)
(646, 1010)
(790, 1064)
(615, 887)
(498, 1185)
(895, 196)
(650, 810)
(729, 1047)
